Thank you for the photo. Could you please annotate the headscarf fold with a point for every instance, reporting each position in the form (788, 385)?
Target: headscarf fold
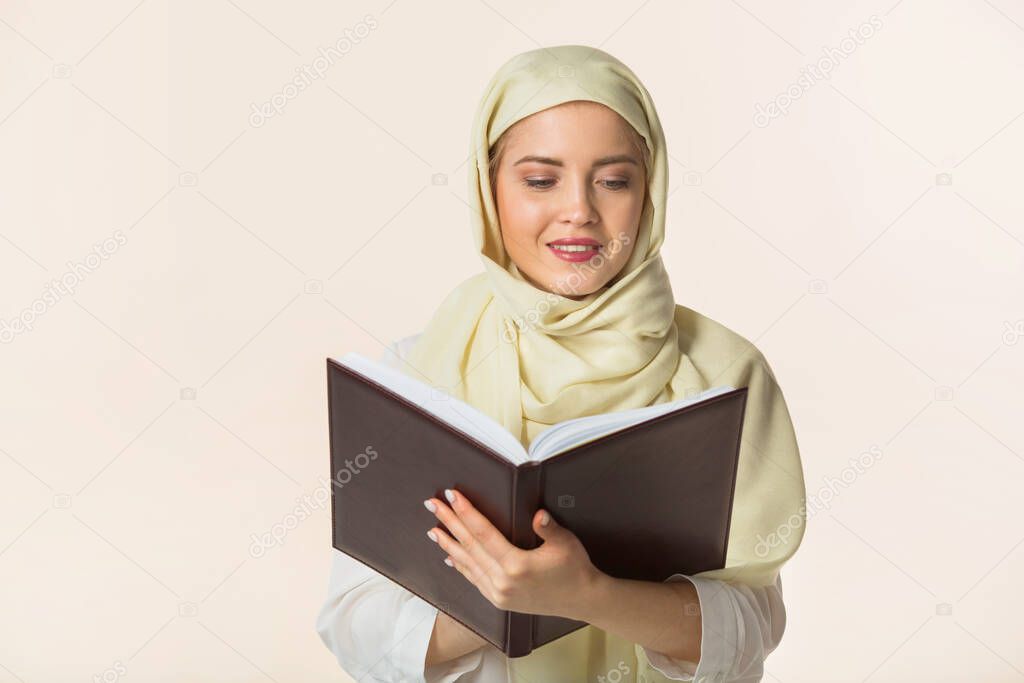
(530, 358)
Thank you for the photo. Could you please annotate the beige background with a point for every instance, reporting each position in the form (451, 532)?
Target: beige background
(869, 241)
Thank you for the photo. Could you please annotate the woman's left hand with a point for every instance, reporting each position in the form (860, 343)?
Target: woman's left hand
(552, 579)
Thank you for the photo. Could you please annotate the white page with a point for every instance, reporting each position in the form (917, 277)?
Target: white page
(580, 430)
(483, 428)
(455, 412)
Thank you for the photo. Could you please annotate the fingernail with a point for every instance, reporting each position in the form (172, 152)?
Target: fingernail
(432, 535)
(429, 504)
(448, 562)
(545, 518)
(450, 495)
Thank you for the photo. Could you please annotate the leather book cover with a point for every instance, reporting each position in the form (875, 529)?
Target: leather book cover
(648, 501)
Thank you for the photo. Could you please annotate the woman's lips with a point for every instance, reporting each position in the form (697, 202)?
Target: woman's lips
(575, 256)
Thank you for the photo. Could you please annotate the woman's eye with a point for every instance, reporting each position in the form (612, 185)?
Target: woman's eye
(545, 183)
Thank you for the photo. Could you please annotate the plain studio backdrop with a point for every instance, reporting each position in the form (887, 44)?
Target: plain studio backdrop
(185, 234)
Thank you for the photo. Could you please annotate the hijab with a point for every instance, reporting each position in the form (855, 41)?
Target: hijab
(530, 358)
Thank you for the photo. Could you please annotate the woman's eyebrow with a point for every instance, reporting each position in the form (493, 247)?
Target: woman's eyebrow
(603, 161)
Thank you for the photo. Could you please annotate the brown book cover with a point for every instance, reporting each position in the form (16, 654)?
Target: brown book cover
(647, 501)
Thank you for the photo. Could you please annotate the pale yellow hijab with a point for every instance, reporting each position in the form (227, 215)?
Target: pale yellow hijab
(531, 358)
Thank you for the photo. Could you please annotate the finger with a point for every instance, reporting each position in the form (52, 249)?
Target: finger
(546, 527)
(489, 538)
(458, 528)
(456, 553)
(461, 569)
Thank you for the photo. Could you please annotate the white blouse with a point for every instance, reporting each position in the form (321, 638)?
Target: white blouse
(379, 631)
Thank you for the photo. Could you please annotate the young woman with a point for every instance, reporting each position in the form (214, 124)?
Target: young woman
(574, 315)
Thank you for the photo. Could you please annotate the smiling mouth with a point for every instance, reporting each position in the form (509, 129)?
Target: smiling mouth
(574, 253)
(574, 248)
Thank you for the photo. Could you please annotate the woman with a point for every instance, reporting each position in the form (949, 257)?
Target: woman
(567, 149)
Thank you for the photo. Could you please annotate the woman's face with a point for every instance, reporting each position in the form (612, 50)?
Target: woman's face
(570, 173)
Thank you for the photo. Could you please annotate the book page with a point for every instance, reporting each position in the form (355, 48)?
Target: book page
(455, 412)
(571, 433)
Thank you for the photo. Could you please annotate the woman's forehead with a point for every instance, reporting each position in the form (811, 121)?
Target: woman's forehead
(574, 112)
(571, 131)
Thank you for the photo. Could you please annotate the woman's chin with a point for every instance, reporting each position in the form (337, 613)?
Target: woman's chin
(567, 280)
(574, 288)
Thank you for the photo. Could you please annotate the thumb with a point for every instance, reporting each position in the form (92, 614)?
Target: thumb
(545, 525)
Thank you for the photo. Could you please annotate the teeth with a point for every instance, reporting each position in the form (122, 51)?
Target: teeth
(572, 247)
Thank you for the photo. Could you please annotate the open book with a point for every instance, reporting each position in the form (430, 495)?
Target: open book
(648, 491)
(464, 417)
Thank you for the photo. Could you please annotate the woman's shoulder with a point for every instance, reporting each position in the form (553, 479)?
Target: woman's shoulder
(711, 346)
(399, 349)
(403, 345)
(714, 347)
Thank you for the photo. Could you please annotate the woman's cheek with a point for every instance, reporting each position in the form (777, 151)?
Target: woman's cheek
(529, 218)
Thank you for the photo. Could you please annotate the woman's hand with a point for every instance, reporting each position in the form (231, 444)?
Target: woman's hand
(553, 579)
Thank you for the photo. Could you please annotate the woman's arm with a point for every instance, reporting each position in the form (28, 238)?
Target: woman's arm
(450, 640)
(739, 626)
(379, 631)
(664, 617)
(376, 630)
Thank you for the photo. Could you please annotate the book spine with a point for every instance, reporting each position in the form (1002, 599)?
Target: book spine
(526, 498)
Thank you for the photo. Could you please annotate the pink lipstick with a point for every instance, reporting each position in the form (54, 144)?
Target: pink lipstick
(575, 249)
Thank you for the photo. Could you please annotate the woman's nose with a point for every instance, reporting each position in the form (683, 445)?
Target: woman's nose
(579, 204)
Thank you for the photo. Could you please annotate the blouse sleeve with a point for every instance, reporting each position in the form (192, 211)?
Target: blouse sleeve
(740, 626)
(377, 630)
